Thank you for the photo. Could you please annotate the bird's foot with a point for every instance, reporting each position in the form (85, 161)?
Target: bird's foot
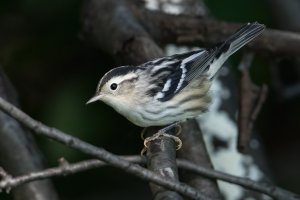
(163, 133)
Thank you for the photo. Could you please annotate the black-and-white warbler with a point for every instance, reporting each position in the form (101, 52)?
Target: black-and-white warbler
(169, 89)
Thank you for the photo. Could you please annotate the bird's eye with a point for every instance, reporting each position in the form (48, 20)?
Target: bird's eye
(113, 86)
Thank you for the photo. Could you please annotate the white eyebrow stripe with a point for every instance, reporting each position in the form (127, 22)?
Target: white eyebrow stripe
(119, 79)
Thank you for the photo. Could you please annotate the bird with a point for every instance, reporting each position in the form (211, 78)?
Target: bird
(171, 89)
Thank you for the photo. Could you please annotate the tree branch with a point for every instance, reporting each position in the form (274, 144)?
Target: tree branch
(7, 182)
(66, 169)
(205, 31)
(97, 152)
(110, 26)
(161, 158)
(271, 190)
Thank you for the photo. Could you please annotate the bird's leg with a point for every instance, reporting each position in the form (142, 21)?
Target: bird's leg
(165, 129)
(170, 127)
(163, 133)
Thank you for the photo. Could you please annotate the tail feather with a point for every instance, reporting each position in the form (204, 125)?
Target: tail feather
(240, 38)
(243, 36)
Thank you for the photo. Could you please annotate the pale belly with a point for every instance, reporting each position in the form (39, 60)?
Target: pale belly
(160, 115)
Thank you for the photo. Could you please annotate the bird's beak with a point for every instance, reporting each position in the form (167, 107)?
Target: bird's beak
(93, 99)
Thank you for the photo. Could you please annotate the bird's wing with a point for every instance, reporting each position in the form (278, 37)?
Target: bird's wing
(171, 74)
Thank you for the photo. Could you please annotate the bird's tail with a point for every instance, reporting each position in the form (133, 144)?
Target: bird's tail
(236, 41)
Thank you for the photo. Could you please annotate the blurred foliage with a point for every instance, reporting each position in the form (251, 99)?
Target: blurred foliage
(55, 73)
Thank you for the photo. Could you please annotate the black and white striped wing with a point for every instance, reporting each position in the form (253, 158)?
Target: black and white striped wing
(170, 75)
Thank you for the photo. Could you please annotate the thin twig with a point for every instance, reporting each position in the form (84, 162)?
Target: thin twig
(251, 100)
(248, 95)
(66, 169)
(261, 99)
(97, 152)
(8, 182)
(271, 190)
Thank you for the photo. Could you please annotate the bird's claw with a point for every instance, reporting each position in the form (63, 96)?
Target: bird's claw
(162, 133)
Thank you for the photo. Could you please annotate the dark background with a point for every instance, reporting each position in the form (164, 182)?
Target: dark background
(55, 73)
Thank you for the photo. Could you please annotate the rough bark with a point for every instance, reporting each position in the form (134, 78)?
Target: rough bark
(161, 158)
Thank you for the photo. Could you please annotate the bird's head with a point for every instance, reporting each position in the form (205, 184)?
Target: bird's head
(116, 86)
